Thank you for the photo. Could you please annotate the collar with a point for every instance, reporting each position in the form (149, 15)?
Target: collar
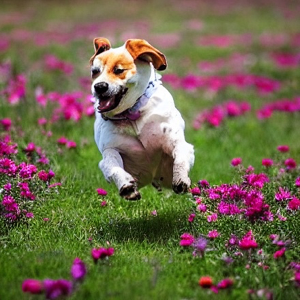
(133, 113)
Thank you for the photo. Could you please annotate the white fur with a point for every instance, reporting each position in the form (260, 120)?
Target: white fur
(151, 149)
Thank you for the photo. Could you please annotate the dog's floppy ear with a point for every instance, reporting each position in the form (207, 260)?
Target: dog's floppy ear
(100, 45)
(141, 49)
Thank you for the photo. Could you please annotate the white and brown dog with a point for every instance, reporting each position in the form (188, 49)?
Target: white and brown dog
(138, 130)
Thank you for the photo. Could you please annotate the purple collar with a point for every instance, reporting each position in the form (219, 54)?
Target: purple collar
(133, 113)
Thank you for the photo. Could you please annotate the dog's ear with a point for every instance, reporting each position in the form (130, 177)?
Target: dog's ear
(100, 45)
(141, 49)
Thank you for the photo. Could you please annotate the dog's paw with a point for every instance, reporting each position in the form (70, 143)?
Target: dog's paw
(181, 186)
(130, 191)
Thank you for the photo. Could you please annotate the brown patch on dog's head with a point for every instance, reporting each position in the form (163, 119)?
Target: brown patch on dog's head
(100, 45)
(141, 49)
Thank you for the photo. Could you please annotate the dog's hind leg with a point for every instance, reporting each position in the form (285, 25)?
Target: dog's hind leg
(113, 169)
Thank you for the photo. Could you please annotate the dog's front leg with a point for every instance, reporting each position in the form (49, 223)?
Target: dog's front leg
(182, 153)
(113, 170)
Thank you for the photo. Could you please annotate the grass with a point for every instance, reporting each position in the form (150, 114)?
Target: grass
(148, 262)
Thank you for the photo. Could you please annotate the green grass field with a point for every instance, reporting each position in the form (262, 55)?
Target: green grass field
(207, 45)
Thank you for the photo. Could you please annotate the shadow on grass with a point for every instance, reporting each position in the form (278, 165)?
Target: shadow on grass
(164, 227)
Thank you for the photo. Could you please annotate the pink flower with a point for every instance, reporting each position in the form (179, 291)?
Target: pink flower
(297, 182)
(213, 234)
(201, 207)
(191, 218)
(186, 240)
(56, 288)
(195, 191)
(53, 63)
(62, 140)
(282, 195)
(42, 121)
(101, 253)
(228, 208)
(78, 269)
(27, 170)
(294, 204)
(30, 147)
(297, 278)
(32, 286)
(6, 123)
(29, 215)
(248, 242)
(43, 175)
(225, 283)
(283, 148)
(279, 253)
(101, 192)
(236, 161)
(212, 218)
(103, 203)
(71, 144)
(290, 163)
(267, 162)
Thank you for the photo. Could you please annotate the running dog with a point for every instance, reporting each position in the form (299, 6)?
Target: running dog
(138, 129)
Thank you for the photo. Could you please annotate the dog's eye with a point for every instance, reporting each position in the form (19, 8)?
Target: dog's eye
(118, 71)
(95, 71)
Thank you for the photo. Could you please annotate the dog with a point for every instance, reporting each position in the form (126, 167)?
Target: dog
(138, 129)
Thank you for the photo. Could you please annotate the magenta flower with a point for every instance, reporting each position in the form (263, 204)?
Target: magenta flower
(103, 203)
(71, 144)
(256, 180)
(236, 161)
(101, 192)
(195, 191)
(279, 253)
(56, 288)
(42, 121)
(283, 148)
(43, 175)
(27, 170)
(267, 162)
(282, 195)
(8, 167)
(78, 269)
(101, 253)
(294, 204)
(290, 163)
(191, 217)
(213, 234)
(228, 208)
(212, 218)
(248, 242)
(186, 240)
(32, 286)
(30, 148)
(6, 123)
(203, 183)
(225, 283)
(297, 182)
(297, 278)
(202, 207)
(53, 63)
(62, 140)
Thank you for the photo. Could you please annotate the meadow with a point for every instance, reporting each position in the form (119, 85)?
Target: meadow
(65, 233)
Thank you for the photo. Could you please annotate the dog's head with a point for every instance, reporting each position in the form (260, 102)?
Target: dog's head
(121, 75)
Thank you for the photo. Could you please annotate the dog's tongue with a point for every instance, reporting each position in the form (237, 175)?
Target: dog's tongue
(105, 105)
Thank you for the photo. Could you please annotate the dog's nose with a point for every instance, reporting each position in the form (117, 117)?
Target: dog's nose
(101, 87)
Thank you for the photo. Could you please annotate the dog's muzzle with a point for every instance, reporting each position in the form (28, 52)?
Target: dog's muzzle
(107, 100)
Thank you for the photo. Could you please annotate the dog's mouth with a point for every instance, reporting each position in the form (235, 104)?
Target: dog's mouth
(108, 103)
